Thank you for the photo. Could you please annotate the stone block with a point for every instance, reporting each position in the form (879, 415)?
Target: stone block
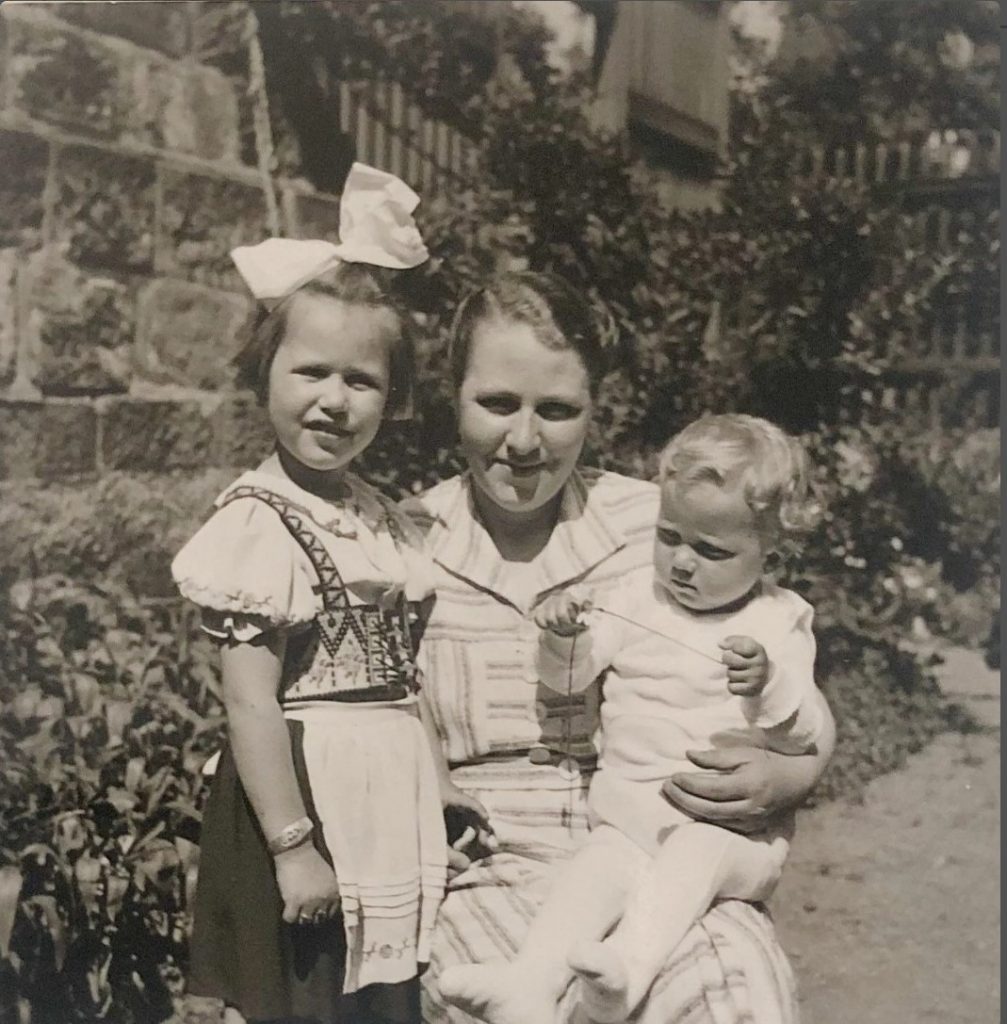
(4, 62)
(317, 217)
(25, 162)
(105, 207)
(62, 77)
(188, 334)
(218, 39)
(242, 433)
(9, 259)
(202, 219)
(218, 36)
(159, 26)
(19, 427)
(77, 330)
(154, 436)
(201, 116)
(181, 107)
(51, 440)
(67, 440)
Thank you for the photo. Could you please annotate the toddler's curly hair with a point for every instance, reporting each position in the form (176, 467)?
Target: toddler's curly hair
(769, 465)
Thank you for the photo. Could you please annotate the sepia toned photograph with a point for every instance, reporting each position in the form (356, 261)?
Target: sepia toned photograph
(500, 511)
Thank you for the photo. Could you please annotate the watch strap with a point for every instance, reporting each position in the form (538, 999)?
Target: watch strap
(293, 835)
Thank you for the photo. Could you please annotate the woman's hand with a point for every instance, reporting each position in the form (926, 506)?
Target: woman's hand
(307, 884)
(452, 796)
(470, 835)
(744, 788)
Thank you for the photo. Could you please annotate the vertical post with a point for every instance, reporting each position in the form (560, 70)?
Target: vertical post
(265, 154)
(396, 156)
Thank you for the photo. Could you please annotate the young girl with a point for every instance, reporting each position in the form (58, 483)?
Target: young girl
(701, 651)
(323, 845)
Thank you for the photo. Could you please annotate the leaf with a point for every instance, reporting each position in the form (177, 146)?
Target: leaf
(50, 911)
(88, 872)
(136, 768)
(70, 835)
(10, 893)
(118, 714)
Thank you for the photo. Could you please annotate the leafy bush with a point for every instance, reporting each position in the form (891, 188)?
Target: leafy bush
(109, 711)
(124, 526)
(887, 706)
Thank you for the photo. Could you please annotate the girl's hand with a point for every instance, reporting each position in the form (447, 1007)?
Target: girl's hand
(562, 613)
(742, 788)
(307, 884)
(747, 665)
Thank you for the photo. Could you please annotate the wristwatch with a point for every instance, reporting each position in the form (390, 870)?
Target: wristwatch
(293, 835)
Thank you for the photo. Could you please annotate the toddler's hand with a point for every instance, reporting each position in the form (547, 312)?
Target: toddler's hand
(561, 613)
(747, 665)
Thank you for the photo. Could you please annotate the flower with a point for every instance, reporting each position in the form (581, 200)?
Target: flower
(856, 469)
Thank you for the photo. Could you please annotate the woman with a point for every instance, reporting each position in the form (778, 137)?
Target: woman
(523, 521)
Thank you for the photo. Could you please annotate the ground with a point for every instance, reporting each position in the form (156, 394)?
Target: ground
(890, 908)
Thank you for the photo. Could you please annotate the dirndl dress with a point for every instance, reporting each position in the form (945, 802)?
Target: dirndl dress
(368, 781)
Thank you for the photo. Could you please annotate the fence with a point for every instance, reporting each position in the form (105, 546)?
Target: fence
(948, 184)
(390, 131)
(945, 182)
(942, 156)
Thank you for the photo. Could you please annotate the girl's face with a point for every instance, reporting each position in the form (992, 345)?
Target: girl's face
(523, 413)
(708, 551)
(329, 380)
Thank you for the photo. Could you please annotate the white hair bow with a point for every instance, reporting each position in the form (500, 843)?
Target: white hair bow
(375, 226)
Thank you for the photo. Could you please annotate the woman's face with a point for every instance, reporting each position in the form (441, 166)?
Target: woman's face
(523, 413)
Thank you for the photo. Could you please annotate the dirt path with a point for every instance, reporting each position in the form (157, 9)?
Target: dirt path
(889, 909)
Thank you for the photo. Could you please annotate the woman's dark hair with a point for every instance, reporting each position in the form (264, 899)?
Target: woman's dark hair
(560, 316)
(354, 283)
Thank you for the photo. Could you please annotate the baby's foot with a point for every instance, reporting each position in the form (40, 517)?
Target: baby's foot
(604, 989)
(498, 994)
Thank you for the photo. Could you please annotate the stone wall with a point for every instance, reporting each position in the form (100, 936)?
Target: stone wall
(128, 172)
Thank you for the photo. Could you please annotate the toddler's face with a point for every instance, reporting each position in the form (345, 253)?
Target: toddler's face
(329, 380)
(708, 551)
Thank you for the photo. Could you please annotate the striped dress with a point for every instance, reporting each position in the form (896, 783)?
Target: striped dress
(528, 753)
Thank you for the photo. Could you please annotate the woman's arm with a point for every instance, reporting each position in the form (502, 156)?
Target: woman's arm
(744, 788)
(466, 818)
(260, 744)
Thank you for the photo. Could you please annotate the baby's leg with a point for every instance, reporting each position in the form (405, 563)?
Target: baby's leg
(696, 865)
(586, 898)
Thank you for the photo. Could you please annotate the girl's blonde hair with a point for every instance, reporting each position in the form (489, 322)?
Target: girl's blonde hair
(770, 466)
